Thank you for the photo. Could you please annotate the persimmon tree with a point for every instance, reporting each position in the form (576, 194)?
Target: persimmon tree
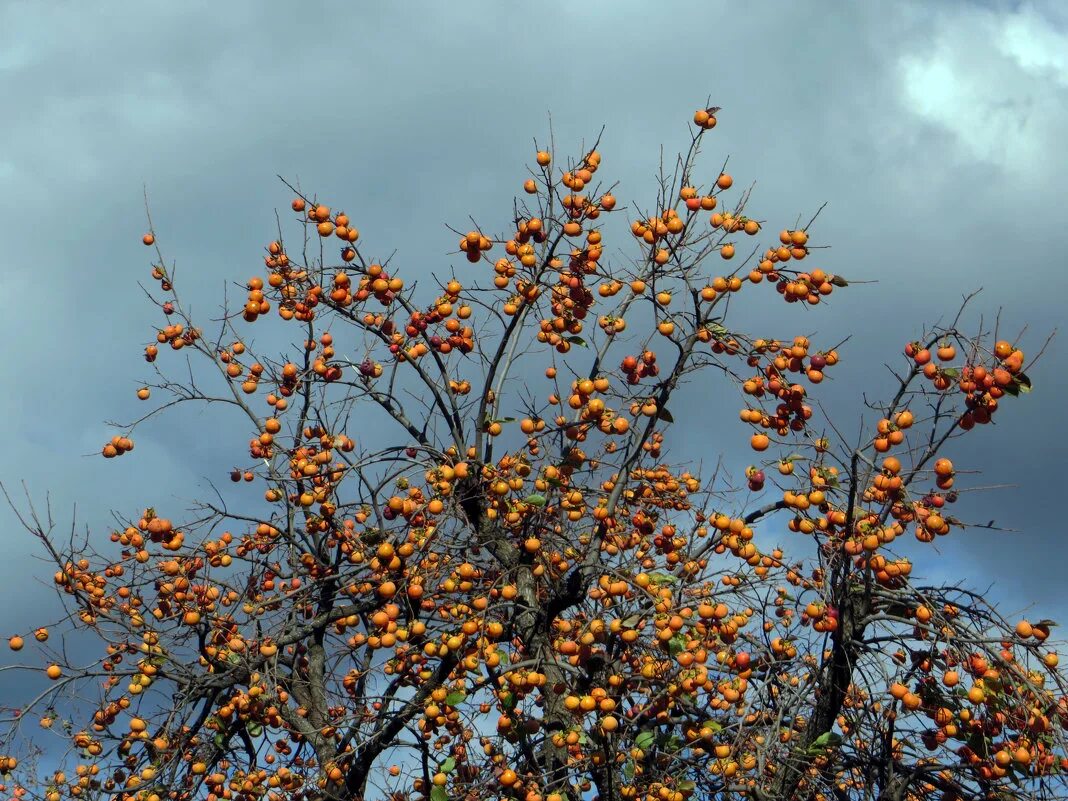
(464, 567)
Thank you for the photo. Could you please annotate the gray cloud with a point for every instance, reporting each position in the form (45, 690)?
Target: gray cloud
(930, 128)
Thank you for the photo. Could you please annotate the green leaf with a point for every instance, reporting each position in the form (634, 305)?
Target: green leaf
(676, 645)
(644, 740)
(673, 743)
(508, 700)
(631, 621)
(828, 739)
(219, 740)
(665, 415)
(663, 578)
(686, 786)
(1021, 381)
(837, 280)
(448, 766)
(255, 729)
(628, 770)
(438, 793)
(712, 725)
(373, 536)
(535, 500)
(455, 697)
(577, 341)
(952, 372)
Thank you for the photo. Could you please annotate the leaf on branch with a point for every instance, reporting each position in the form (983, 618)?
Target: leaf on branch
(448, 766)
(837, 280)
(535, 500)
(644, 740)
(1020, 383)
(373, 536)
(577, 341)
(828, 739)
(455, 697)
(677, 644)
(438, 793)
(663, 578)
(671, 743)
(665, 415)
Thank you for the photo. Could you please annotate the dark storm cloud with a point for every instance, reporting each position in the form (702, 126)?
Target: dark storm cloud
(931, 129)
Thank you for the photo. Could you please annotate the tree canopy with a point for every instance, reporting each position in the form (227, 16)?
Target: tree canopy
(474, 572)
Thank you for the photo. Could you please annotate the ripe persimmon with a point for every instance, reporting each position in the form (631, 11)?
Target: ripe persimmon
(943, 467)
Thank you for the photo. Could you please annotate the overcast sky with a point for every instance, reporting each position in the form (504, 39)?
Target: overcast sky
(930, 129)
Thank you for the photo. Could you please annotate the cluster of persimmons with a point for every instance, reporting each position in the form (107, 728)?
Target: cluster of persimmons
(471, 574)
